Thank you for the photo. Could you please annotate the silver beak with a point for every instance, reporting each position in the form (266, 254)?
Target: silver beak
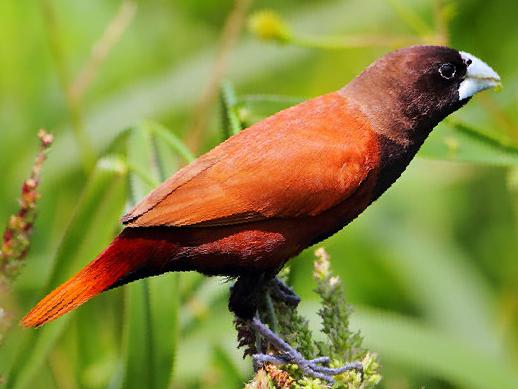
(480, 76)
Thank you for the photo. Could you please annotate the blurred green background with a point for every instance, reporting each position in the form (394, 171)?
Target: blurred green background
(431, 269)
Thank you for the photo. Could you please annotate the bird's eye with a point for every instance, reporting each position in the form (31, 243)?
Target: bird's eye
(447, 71)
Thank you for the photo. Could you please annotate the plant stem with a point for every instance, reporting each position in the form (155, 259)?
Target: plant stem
(441, 23)
(15, 242)
(75, 90)
(231, 30)
(330, 42)
(411, 18)
(271, 99)
(100, 50)
(230, 121)
(76, 121)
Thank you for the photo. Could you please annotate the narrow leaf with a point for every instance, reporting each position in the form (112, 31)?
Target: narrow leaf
(460, 142)
(91, 228)
(230, 119)
(167, 136)
(417, 346)
(151, 322)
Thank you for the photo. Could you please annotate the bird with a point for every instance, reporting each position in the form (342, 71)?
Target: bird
(246, 207)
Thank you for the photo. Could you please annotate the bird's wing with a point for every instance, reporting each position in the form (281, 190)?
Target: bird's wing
(299, 162)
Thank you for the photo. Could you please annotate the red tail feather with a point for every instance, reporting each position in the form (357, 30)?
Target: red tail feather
(128, 253)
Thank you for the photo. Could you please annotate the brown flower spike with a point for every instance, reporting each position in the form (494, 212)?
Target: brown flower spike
(15, 242)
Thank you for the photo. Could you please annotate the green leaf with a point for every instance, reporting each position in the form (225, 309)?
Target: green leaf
(164, 304)
(257, 107)
(232, 376)
(164, 134)
(459, 142)
(141, 159)
(92, 227)
(440, 280)
(411, 18)
(204, 295)
(95, 333)
(151, 322)
(139, 338)
(230, 119)
(411, 343)
(150, 331)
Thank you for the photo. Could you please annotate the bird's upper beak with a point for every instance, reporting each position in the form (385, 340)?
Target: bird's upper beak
(479, 76)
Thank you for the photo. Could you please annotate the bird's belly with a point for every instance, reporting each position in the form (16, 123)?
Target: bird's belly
(236, 250)
(266, 245)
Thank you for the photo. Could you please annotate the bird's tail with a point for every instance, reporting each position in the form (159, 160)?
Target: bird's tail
(130, 256)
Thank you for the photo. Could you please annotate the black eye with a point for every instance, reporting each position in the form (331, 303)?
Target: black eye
(447, 71)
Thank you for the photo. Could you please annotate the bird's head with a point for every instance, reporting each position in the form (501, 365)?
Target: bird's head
(407, 92)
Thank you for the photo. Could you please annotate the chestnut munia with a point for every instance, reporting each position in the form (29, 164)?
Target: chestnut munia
(259, 198)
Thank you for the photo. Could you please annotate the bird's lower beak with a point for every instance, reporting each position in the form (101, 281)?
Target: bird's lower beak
(479, 76)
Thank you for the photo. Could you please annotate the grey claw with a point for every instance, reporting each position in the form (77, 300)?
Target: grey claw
(324, 360)
(262, 359)
(288, 355)
(284, 293)
(338, 370)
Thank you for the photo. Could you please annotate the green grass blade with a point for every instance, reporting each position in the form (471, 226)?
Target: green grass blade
(229, 117)
(459, 142)
(257, 107)
(438, 277)
(417, 346)
(138, 354)
(232, 377)
(143, 174)
(167, 136)
(151, 322)
(138, 333)
(410, 17)
(443, 284)
(92, 227)
(164, 305)
(165, 290)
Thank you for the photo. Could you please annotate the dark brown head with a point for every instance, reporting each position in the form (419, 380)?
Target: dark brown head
(407, 92)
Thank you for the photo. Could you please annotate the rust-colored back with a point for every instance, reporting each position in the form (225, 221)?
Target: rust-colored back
(300, 162)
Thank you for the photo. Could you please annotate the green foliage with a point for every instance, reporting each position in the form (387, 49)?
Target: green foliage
(335, 314)
(90, 229)
(397, 338)
(294, 329)
(230, 120)
(151, 322)
(341, 344)
(457, 141)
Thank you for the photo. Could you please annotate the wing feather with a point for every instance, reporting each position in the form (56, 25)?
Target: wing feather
(299, 162)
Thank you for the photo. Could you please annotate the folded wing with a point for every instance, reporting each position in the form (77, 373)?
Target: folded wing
(299, 162)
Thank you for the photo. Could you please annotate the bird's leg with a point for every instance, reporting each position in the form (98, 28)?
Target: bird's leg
(280, 291)
(245, 297)
(288, 355)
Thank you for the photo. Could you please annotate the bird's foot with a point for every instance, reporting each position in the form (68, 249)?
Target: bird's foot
(284, 293)
(288, 355)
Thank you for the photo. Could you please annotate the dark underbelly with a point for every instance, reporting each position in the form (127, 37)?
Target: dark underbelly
(266, 245)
